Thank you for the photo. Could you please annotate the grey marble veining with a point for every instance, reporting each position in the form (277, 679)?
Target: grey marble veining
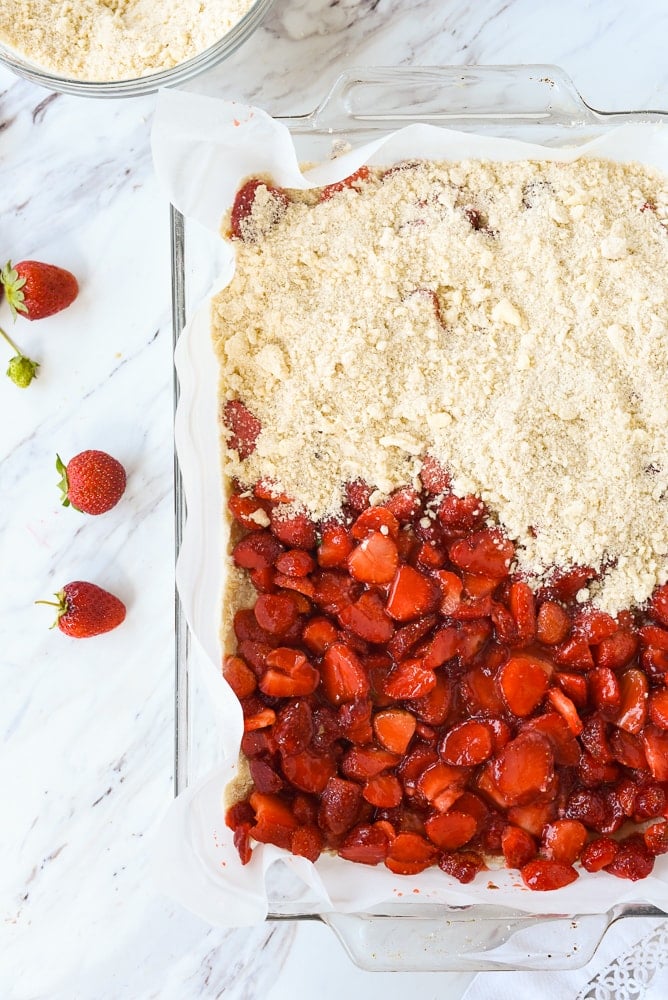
(86, 728)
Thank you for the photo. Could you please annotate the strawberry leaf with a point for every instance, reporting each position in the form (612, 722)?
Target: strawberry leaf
(63, 483)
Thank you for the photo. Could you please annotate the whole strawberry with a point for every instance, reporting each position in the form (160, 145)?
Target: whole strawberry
(37, 290)
(84, 610)
(92, 482)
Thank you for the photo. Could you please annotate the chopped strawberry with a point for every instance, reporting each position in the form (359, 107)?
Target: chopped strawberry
(554, 727)
(257, 551)
(243, 428)
(404, 504)
(307, 842)
(604, 690)
(598, 854)
(339, 806)
(404, 639)
(293, 729)
(543, 875)
(343, 676)
(574, 685)
(562, 704)
(574, 653)
(432, 708)
(411, 595)
(467, 744)
(409, 854)
(457, 514)
(274, 822)
(563, 840)
(394, 729)
(241, 678)
(243, 206)
(318, 634)
(409, 679)
(248, 512)
(449, 830)
(383, 791)
(295, 562)
(275, 613)
(354, 181)
(334, 590)
(335, 545)
(658, 708)
(552, 623)
(441, 785)
(486, 552)
(435, 479)
(533, 817)
(656, 838)
(374, 560)
(524, 681)
(655, 743)
(524, 768)
(462, 865)
(523, 608)
(366, 844)
(617, 650)
(375, 519)
(518, 846)
(367, 618)
(362, 763)
(295, 529)
(658, 605)
(633, 860)
(634, 690)
(290, 675)
(309, 771)
(594, 625)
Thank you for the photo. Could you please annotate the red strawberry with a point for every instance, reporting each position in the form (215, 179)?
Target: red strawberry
(37, 290)
(84, 610)
(411, 594)
(243, 428)
(92, 482)
(243, 207)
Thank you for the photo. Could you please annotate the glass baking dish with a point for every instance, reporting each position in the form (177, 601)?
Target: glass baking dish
(530, 103)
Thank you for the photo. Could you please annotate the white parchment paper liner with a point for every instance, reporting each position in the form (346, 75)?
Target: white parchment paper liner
(203, 149)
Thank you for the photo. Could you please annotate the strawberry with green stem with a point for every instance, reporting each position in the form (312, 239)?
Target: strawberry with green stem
(36, 290)
(21, 370)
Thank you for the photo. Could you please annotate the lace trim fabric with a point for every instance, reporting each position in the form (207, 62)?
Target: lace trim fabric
(629, 975)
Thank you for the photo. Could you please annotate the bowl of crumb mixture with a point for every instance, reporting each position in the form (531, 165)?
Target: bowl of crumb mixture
(121, 48)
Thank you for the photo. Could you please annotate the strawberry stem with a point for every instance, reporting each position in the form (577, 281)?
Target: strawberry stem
(22, 369)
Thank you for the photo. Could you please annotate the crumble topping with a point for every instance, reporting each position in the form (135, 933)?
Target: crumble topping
(509, 318)
(114, 39)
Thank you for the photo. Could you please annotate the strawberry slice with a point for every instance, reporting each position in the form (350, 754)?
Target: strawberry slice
(523, 769)
(450, 830)
(294, 529)
(275, 613)
(562, 704)
(434, 477)
(410, 854)
(563, 840)
(658, 708)
(375, 519)
(543, 875)
(248, 512)
(554, 727)
(634, 689)
(362, 763)
(404, 504)
(443, 647)
(239, 676)
(485, 553)
(604, 690)
(404, 639)
(367, 618)
(318, 634)
(532, 817)
(658, 606)
(467, 744)
(243, 428)
(375, 559)
(524, 681)
(518, 846)
(394, 729)
(574, 685)
(343, 676)
(552, 623)
(441, 785)
(309, 771)
(339, 805)
(462, 865)
(617, 650)
(383, 791)
(366, 844)
(523, 609)
(335, 546)
(409, 679)
(290, 675)
(354, 182)
(274, 822)
(432, 708)
(257, 551)
(412, 595)
(655, 742)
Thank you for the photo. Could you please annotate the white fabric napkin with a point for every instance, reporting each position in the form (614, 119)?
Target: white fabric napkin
(630, 964)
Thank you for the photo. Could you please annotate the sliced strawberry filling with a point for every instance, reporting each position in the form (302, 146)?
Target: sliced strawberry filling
(408, 700)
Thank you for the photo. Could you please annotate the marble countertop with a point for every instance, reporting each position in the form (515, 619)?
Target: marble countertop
(87, 727)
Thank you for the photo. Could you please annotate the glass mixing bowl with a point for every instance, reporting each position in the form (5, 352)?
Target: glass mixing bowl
(138, 86)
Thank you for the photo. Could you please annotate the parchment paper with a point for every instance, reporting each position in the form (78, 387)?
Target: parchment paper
(203, 149)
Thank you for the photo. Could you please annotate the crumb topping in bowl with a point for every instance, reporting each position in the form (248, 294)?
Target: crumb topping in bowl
(104, 40)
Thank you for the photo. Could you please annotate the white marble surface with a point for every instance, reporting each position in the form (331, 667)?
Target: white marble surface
(86, 727)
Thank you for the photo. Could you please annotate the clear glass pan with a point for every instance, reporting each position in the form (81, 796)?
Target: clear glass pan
(531, 103)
